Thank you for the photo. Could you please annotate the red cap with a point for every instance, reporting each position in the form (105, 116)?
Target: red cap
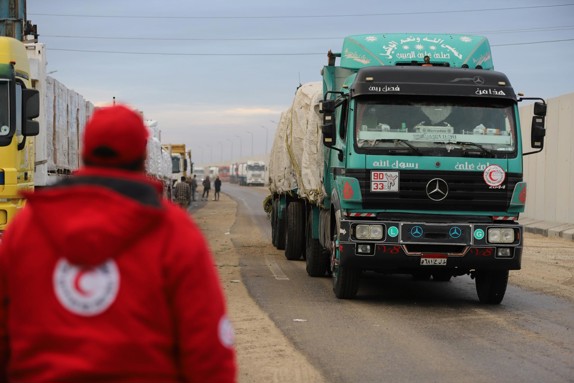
(115, 136)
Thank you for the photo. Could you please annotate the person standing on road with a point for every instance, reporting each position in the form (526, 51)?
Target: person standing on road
(206, 188)
(122, 287)
(193, 187)
(183, 193)
(216, 188)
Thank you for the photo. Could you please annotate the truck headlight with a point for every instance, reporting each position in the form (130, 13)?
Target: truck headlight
(501, 235)
(369, 232)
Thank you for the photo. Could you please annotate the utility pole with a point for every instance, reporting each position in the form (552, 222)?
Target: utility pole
(240, 147)
(251, 142)
(266, 136)
(231, 142)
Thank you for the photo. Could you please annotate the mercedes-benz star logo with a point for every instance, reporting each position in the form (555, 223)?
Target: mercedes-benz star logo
(417, 231)
(478, 80)
(437, 189)
(455, 232)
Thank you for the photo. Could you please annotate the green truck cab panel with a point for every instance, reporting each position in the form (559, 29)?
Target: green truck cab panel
(349, 191)
(518, 200)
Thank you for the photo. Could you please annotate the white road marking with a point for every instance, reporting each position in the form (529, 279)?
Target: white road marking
(276, 270)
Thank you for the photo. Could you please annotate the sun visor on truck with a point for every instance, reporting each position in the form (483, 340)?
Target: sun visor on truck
(399, 49)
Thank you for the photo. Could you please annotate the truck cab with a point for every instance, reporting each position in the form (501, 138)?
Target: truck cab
(19, 105)
(424, 162)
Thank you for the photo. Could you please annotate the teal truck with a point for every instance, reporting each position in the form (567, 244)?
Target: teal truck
(406, 159)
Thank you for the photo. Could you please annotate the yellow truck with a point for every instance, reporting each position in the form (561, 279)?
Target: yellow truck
(180, 161)
(19, 104)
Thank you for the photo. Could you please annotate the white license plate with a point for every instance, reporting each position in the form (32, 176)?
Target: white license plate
(433, 261)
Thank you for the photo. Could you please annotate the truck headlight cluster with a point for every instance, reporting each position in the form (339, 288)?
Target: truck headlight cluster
(369, 232)
(501, 235)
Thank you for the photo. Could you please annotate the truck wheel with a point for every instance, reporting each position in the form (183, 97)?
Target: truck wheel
(316, 258)
(279, 228)
(491, 286)
(274, 223)
(345, 279)
(295, 237)
(345, 282)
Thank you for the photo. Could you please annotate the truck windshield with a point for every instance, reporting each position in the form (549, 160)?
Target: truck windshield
(176, 164)
(256, 167)
(441, 126)
(4, 108)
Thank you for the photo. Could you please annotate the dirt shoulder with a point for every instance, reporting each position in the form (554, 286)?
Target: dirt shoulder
(264, 354)
(547, 266)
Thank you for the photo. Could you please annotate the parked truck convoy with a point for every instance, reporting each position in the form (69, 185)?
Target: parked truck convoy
(41, 122)
(396, 165)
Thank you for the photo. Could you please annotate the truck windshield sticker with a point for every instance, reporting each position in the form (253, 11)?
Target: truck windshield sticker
(382, 181)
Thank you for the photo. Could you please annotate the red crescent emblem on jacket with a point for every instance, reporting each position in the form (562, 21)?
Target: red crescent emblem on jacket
(78, 283)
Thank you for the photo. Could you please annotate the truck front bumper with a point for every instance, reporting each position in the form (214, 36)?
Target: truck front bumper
(407, 246)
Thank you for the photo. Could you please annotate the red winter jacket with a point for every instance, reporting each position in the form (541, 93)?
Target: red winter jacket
(102, 280)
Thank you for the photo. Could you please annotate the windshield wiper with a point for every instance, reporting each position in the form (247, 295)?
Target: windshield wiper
(404, 142)
(464, 144)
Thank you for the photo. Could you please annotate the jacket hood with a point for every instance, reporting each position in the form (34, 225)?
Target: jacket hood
(97, 214)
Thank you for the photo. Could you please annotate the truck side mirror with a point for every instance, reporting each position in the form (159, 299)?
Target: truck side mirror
(328, 129)
(30, 110)
(540, 109)
(327, 108)
(538, 131)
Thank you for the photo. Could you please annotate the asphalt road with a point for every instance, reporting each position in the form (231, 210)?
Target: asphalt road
(401, 330)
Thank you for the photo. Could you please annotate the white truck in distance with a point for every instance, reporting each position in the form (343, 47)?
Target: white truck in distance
(252, 173)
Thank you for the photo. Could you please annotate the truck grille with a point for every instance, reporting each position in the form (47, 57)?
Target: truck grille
(467, 191)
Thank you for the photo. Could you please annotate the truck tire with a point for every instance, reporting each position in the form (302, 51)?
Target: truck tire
(491, 285)
(345, 282)
(279, 228)
(274, 223)
(316, 258)
(295, 236)
(345, 279)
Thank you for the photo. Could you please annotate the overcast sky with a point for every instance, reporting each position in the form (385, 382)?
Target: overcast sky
(217, 74)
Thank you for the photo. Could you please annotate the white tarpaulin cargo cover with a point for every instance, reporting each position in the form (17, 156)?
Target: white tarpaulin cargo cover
(158, 162)
(296, 160)
(64, 114)
(63, 117)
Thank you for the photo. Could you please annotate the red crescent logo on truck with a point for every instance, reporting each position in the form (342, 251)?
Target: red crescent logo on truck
(522, 195)
(494, 175)
(347, 191)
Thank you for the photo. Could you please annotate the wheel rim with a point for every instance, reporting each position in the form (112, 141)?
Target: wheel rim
(335, 260)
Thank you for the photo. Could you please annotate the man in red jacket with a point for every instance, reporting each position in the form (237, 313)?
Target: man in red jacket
(101, 279)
